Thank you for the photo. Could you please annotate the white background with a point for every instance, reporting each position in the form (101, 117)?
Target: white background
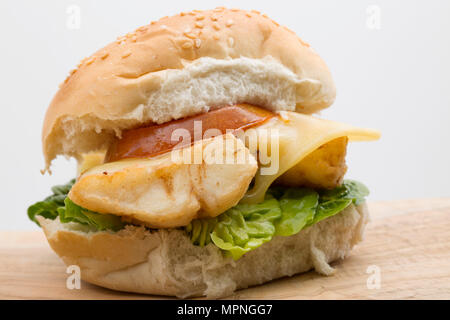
(395, 79)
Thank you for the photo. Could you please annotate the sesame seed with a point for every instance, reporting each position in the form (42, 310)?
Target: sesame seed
(187, 45)
(256, 11)
(265, 15)
(190, 35)
(153, 22)
(275, 23)
(120, 40)
(229, 23)
(234, 9)
(213, 17)
(192, 13)
(90, 60)
(198, 43)
(104, 56)
(231, 42)
(248, 15)
(182, 14)
(72, 71)
(126, 54)
(81, 62)
(216, 37)
(289, 30)
(199, 25)
(198, 18)
(306, 44)
(216, 26)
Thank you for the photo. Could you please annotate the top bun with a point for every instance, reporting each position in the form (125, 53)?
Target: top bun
(180, 66)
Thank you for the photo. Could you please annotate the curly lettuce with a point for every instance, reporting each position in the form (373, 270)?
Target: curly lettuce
(58, 204)
(284, 212)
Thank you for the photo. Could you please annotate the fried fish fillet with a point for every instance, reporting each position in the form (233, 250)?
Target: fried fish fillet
(323, 168)
(162, 193)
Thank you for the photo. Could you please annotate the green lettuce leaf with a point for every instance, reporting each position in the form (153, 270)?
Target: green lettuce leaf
(298, 207)
(350, 189)
(48, 208)
(246, 227)
(329, 208)
(58, 204)
(284, 212)
(74, 213)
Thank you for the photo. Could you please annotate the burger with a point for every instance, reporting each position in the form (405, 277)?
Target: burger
(201, 167)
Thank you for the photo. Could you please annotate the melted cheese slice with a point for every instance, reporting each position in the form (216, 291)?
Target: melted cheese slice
(298, 136)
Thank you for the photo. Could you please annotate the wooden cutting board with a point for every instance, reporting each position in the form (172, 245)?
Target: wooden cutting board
(407, 244)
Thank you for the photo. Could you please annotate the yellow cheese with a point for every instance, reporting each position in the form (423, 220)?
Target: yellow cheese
(90, 160)
(298, 136)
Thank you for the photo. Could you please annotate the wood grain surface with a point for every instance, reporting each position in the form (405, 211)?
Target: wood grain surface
(407, 241)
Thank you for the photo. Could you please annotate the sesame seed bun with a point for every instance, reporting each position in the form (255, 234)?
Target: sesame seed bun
(180, 66)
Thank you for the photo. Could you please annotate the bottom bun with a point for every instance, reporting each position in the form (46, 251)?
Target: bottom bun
(165, 262)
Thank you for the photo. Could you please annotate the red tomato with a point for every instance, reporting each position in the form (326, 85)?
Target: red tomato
(157, 139)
